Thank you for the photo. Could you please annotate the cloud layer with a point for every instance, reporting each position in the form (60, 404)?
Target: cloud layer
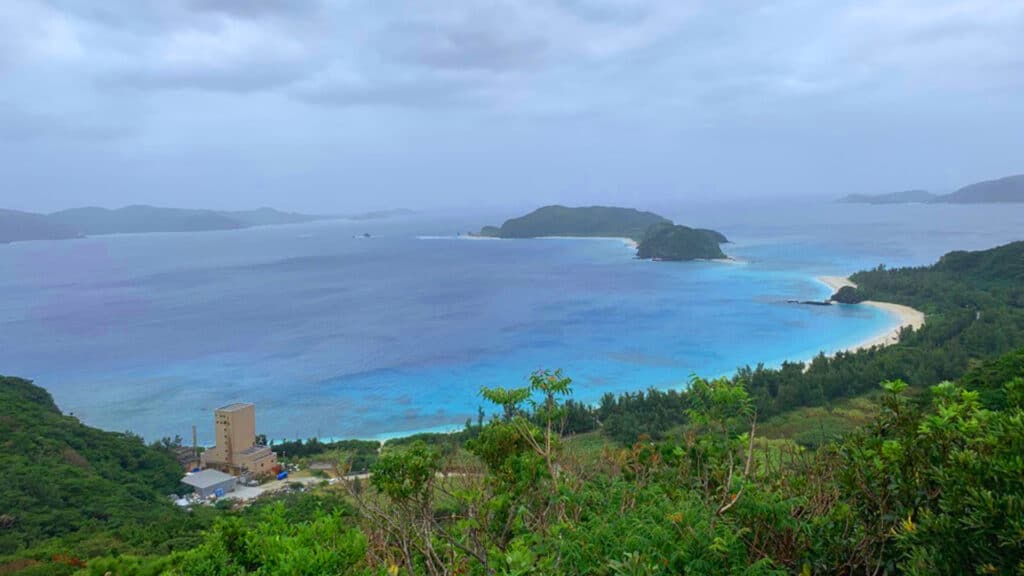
(183, 77)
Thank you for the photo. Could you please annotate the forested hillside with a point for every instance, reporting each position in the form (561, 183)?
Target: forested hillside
(61, 478)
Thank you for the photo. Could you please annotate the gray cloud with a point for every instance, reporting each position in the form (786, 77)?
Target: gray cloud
(18, 125)
(418, 91)
(544, 97)
(260, 8)
(609, 10)
(252, 77)
(472, 45)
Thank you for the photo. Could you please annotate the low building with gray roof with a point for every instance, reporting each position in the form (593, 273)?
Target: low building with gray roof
(210, 482)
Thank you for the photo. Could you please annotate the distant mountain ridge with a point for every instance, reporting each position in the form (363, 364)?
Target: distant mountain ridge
(1009, 189)
(78, 222)
(657, 237)
(15, 226)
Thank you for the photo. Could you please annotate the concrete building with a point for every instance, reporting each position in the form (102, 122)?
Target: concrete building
(236, 451)
(208, 483)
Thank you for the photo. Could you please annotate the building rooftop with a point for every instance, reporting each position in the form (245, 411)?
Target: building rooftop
(254, 450)
(235, 406)
(206, 478)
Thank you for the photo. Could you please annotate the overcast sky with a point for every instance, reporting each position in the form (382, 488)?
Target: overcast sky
(329, 105)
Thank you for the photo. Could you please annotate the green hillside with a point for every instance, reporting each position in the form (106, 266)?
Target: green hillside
(61, 478)
(594, 221)
(667, 241)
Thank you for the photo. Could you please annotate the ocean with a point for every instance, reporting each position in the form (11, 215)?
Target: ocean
(334, 335)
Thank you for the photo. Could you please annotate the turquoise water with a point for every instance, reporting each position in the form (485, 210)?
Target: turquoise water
(336, 336)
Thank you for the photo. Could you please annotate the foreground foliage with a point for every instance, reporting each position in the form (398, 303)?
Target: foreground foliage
(933, 484)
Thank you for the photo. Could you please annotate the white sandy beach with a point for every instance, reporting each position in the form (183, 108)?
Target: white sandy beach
(907, 316)
(627, 241)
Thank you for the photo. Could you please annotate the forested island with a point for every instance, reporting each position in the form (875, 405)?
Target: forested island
(657, 237)
(896, 460)
(18, 226)
(78, 222)
(1001, 190)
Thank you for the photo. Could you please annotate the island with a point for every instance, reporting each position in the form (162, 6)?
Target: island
(142, 219)
(18, 226)
(901, 197)
(656, 237)
(667, 241)
(1000, 190)
(586, 221)
(1009, 189)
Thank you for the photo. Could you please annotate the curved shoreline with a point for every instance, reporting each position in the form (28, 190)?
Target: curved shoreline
(908, 317)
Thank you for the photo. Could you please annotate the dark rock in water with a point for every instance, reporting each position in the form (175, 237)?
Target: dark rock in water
(848, 295)
(810, 302)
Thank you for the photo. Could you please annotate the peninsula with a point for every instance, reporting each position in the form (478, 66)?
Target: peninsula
(657, 237)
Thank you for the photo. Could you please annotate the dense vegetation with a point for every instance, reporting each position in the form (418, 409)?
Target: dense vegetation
(804, 469)
(352, 455)
(668, 241)
(583, 221)
(98, 491)
(657, 237)
(926, 487)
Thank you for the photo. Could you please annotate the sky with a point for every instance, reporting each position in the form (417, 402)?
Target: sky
(335, 105)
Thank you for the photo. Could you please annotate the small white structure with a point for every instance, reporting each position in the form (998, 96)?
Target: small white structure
(210, 482)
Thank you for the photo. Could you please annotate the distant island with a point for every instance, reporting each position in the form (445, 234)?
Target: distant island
(1002, 190)
(382, 214)
(15, 226)
(657, 237)
(902, 197)
(18, 226)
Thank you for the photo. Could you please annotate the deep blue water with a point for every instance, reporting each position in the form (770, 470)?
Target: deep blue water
(336, 336)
